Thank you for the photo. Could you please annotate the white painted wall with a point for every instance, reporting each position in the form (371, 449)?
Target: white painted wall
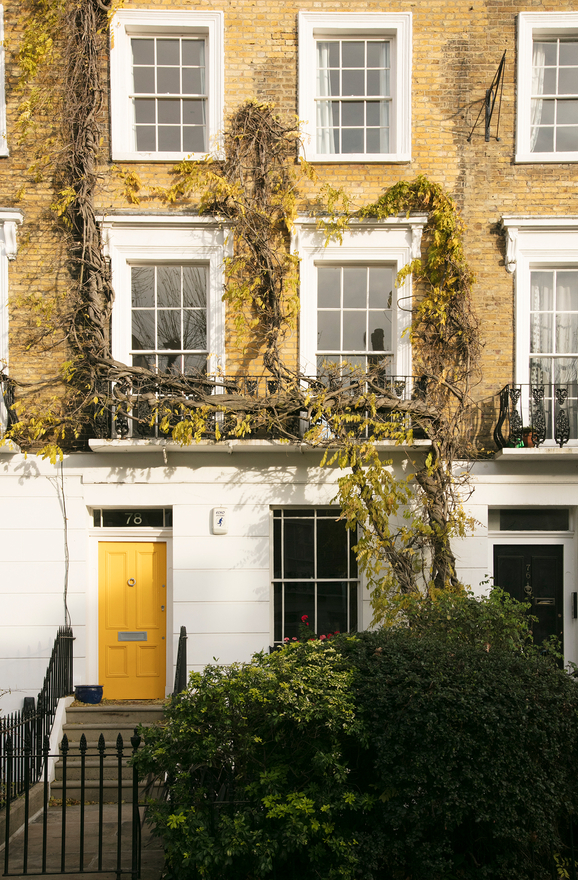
(218, 585)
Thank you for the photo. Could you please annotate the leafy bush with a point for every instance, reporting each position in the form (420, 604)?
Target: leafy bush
(443, 749)
(258, 778)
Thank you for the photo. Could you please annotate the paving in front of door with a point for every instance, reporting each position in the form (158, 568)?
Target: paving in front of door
(152, 859)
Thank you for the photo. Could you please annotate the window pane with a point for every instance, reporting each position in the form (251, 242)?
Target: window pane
(544, 141)
(353, 608)
(568, 81)
(353, 54)
(566, 139)
(380, 331)
(168, 81)
(354, 331)
(353, 113)
(299, 600)
(143, 51)
(352, 140)
(168, 51)
(277, 569)
(193, 81)
(567, 291)
(331, 549)
(299, 557)
(143, 330)
(146, 138)
(567, 333)
(328, 287)
(194, 112)
(169, 139)
(331, 608)
(194, 286)
(169, 329)
(541, 332)
(567, 112)
(194, 140)
(376, 82)
(169, 112)
(143, 286)
(354, 287)
(378, 53)
(194, 329)
(172, 363)
(169, 286)
(145, 110)
(377, 140)
(195, 364)
(328, 331)
(380, 287)
(353, 82)
(278, 612)
(542, 287)
(193, 52)
(144, 80)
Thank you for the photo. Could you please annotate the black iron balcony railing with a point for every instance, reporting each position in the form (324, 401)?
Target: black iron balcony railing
(136, 406)
(531, 415)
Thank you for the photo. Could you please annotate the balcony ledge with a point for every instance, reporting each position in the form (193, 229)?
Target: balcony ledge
(229, 446)
(9, 448)
(539, 453)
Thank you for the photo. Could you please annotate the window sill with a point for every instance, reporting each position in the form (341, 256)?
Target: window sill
(358, 158)
(545, 158)
(121, 156)
(540, 453)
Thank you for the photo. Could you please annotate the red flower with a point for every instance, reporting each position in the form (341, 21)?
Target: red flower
(304, 619)
(322, 638)
(294, 639)
(286, 639)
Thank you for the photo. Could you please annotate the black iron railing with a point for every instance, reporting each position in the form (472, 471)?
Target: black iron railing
(27, 729)
(533, 414)
(84, 837)
(136, 406)
(181, 664)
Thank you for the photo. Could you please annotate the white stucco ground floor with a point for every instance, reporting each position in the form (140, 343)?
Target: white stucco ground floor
(128, 544)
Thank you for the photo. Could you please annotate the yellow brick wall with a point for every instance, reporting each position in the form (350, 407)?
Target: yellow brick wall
(457, 47)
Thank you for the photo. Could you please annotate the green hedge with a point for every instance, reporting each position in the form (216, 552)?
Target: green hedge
(443, 749)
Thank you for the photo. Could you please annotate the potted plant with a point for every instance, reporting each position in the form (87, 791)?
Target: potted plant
(527, 437)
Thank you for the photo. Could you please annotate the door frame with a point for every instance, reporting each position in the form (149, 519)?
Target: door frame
(561, 539)
(134, 536)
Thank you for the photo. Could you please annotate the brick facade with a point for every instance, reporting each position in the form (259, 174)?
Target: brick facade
(456, 50)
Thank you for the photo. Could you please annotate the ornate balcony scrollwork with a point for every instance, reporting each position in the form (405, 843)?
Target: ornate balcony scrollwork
(538, 416)
(561, 423)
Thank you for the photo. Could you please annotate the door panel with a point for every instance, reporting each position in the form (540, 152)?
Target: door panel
(132, 620)
(534, 573)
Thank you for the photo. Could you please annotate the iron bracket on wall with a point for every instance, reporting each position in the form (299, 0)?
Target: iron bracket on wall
(490, 103)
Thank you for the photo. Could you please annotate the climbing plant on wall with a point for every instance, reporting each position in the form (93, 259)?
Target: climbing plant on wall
(405, 524)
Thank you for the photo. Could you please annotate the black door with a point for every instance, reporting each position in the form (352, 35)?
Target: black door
(534, 573)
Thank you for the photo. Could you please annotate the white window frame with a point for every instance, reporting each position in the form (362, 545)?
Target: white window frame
(538, 242)
(530, 26)
(398, 27)
(3, 133)
(394, 242)
(127, 23)
(177, 240)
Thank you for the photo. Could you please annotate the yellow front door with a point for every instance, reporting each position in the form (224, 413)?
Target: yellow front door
(131, 620)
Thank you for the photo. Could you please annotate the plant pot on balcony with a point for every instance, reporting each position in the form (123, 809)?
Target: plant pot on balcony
(88, 693)
(527, 438)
